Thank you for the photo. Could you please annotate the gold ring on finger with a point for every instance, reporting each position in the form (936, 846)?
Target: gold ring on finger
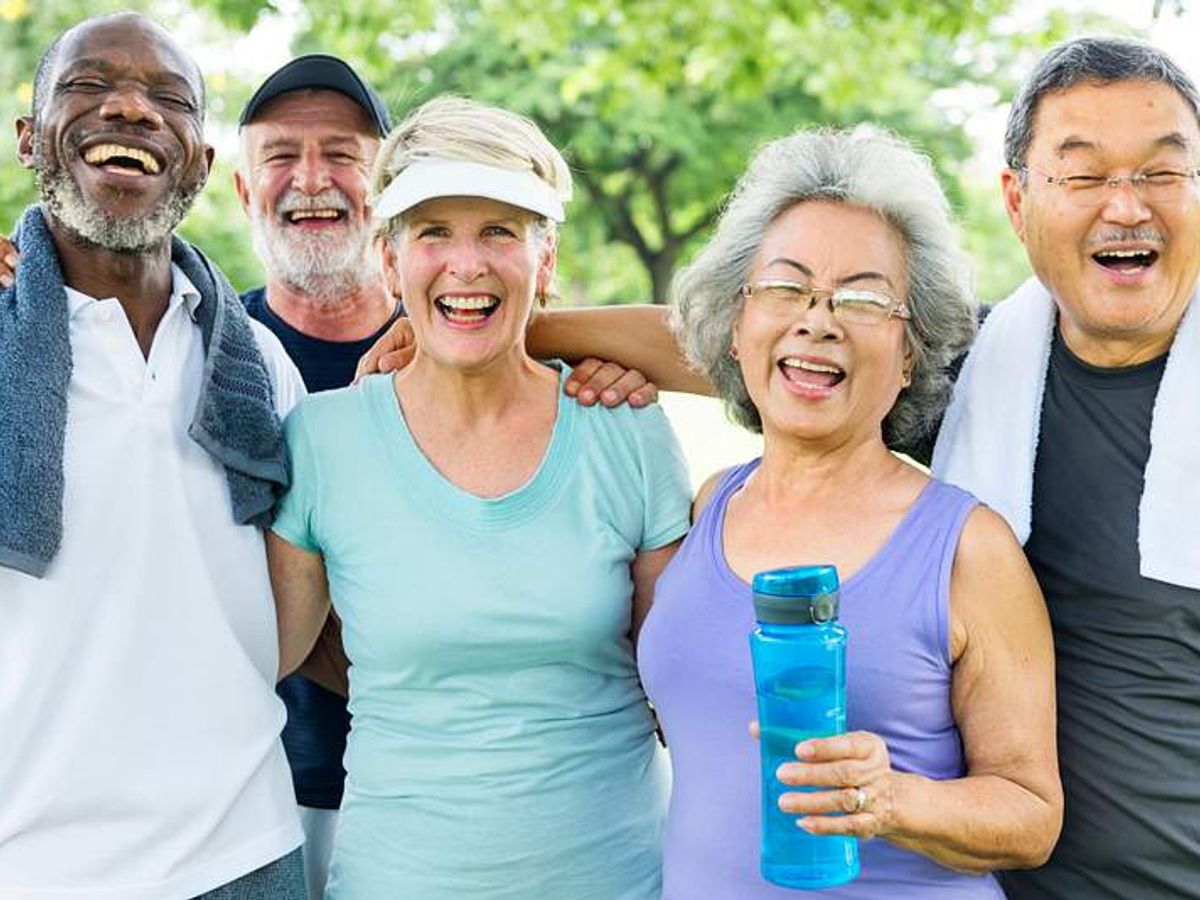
(861, 800)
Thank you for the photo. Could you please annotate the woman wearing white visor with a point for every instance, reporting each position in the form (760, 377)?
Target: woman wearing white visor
(490, 548)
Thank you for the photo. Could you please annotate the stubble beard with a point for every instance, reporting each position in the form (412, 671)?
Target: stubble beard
(91, 225)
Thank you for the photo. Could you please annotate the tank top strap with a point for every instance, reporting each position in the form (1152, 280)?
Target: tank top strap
(934, 524)
(913, 569)
(713, 514)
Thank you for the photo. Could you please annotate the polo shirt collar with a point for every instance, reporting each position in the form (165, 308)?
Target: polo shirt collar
(182, 291)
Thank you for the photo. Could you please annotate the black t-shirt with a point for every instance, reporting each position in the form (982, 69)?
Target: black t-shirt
(1127, 650)
(318, 721)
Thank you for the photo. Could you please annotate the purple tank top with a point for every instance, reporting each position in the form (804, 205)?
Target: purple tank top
(695, 664)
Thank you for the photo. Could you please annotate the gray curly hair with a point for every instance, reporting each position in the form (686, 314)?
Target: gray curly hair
(867, 167)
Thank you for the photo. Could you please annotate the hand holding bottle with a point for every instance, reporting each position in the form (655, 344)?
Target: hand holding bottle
(854, 782)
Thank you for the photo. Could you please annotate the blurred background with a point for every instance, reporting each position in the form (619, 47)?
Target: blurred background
(657, 105)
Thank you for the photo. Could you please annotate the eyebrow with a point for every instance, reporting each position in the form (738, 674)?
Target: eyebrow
(287, 143)
(1171, 141)
(868, 275)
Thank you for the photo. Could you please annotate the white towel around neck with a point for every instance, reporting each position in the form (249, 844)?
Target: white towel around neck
(988, 440)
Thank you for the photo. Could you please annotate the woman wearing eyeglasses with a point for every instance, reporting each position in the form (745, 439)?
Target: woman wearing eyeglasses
(825, 310)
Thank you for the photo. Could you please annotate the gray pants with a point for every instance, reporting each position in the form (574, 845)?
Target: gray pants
(280, 880)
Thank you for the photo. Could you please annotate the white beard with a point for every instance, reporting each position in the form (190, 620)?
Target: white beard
(323, 265)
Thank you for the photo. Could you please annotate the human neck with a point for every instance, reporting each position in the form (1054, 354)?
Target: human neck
(797, 469)
(1116, 351)
(140, 281)
(471, 401)
(351, 316)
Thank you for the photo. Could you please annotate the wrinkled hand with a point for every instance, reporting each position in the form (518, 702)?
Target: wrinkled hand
(8, 262)
(394, 350)
(612, 385)
(841, 765)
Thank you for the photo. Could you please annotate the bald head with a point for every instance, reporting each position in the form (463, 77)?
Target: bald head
(101, 28)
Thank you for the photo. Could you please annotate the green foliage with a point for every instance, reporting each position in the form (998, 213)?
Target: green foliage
(657, 104)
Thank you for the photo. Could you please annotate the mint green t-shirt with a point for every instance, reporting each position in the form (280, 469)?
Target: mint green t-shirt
(501, 745)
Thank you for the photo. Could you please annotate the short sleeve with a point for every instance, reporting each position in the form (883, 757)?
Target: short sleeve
(666, 487)
(296, 514)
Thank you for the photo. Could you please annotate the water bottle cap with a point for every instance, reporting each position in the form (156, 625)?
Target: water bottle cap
(800, 595)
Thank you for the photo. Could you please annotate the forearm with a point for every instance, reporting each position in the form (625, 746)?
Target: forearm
(636, 337)
(301, 600)
(327, 664)
(974, 824)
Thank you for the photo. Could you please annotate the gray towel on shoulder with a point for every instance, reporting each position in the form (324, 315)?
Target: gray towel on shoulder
(234, 421)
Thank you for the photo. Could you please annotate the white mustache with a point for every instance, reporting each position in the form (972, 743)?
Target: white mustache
(295, 201)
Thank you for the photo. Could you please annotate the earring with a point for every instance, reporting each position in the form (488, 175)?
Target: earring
(905, 378)
(733, 352)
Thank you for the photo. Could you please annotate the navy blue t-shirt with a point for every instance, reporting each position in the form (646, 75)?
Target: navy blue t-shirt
(318, 720)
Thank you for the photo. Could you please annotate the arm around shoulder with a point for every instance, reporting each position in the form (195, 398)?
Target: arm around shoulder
(635, 336)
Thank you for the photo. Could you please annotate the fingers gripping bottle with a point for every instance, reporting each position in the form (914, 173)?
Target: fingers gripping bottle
(799, 654)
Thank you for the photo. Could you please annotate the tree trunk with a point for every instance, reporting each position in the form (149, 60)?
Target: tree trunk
(662, 268)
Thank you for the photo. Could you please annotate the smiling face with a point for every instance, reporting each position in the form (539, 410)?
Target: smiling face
(809, 375)
(306, 160)
(1121, 271)
(118, 148)
(468, 269)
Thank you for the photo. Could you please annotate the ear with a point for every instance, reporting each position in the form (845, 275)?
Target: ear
(25, 141)
(907, 363)
(547, 264)
(1014, 194)
(243, 192)
(390, 263)
(209, 155)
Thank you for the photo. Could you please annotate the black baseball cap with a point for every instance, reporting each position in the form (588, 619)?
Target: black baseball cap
(319, 72)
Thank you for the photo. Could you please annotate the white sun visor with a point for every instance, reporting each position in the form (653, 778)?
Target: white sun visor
(430, 178)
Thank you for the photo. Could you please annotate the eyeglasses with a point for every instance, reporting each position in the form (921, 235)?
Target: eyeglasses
(1158, 186)
(849, 306)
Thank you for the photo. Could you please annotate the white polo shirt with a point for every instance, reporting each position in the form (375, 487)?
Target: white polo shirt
(139, 728)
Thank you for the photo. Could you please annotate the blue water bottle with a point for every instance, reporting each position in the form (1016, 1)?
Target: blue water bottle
(799, 653)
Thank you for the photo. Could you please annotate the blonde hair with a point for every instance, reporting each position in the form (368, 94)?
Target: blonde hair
(456, 128)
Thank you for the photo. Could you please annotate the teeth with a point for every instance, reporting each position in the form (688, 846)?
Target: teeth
(1124, 254)
(483, 301)
(297, 215)
(102, 153)
(807, 366)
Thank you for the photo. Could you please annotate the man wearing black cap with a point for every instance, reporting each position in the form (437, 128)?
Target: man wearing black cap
(309, 135)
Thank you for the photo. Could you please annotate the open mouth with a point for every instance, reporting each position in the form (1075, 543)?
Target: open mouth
(467, 310)
(318, 216)
(808, 373)
(1126, 261)
(121, 159)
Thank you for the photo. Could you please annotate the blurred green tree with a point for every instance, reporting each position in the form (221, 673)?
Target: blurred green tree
(656, 104)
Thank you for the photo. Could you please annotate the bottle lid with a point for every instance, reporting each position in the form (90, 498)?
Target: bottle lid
(800, 595)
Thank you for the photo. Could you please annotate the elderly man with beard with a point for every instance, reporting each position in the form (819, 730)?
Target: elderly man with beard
(141, 453)
(308, 137)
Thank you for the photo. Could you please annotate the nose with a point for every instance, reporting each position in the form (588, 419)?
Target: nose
(1125, 206)
(311, 174)
(817, 321)
(131, 104)
(465, 259)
